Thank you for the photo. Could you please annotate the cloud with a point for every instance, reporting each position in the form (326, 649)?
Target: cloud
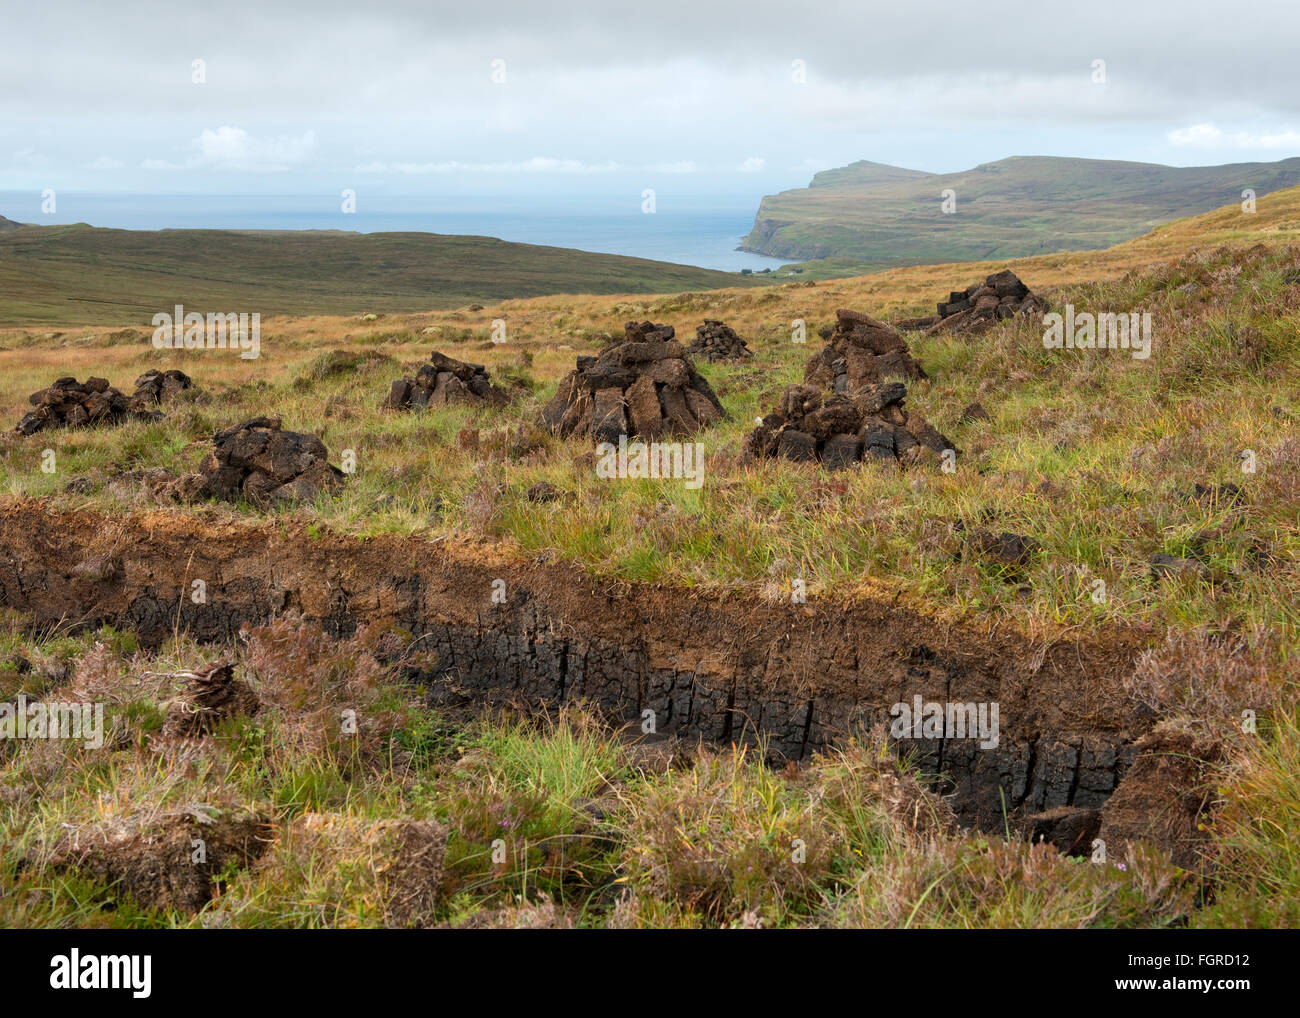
(404, 87)
(234, 149)
(1211, 136)
(28, 158)
(1197, 134)
(679, 166)
(537, 164)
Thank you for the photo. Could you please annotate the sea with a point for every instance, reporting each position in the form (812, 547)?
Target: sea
(689, 229)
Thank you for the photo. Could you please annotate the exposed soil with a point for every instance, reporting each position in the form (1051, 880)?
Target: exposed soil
(1168, 796)
(717, 667)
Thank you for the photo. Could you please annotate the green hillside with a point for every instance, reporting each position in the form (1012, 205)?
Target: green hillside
(69, 274)
(869, 216)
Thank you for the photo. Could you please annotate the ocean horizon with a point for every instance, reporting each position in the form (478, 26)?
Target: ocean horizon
(701, 230)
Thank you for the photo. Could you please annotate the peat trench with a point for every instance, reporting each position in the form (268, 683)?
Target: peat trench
(713, 666)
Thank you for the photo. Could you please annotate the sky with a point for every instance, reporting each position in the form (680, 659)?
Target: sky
(556, 96)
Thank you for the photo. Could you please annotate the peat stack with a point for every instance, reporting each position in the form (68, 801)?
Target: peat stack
(838, 430)
(72, 404)
(981, 305)
(860, 351)
(442, 381)
(159, 386)
(717, 341)
(264, 464)
(643, 387)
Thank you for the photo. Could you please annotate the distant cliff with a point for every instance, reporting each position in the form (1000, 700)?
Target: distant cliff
(882, 216)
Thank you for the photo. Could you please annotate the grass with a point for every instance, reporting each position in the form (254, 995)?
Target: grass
(1095, 455)
(1255, 834)
(425, 819)
(59, 275)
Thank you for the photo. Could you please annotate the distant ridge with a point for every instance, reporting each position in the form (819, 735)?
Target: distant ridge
(57, 274)
(865, 172)
(868, 216)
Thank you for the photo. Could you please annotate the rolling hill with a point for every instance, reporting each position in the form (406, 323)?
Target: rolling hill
(67, 274)
(868, 216)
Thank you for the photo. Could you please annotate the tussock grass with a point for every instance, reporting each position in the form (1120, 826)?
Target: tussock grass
(1255, 832)
(502, 820)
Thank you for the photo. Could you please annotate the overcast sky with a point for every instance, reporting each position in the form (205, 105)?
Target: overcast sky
(690, 95)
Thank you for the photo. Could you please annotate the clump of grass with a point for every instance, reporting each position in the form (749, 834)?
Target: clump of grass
(1258, 875)
(341, 870)
(518, 372)
(342, 364)
(731, 838)
(983, 883)
(1212, 682)
(522, 804)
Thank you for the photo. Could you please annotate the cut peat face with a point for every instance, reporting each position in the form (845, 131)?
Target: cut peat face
(724, 669)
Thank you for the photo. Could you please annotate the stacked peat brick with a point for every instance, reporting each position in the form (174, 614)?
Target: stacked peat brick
(72, 404)
(262, 463)
(444, 380)
(159, 386)
(257, 461)
(838, 430)
(1002, 295)
(860, 351)
(845, 412)
(717, 341)
(644, 387)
